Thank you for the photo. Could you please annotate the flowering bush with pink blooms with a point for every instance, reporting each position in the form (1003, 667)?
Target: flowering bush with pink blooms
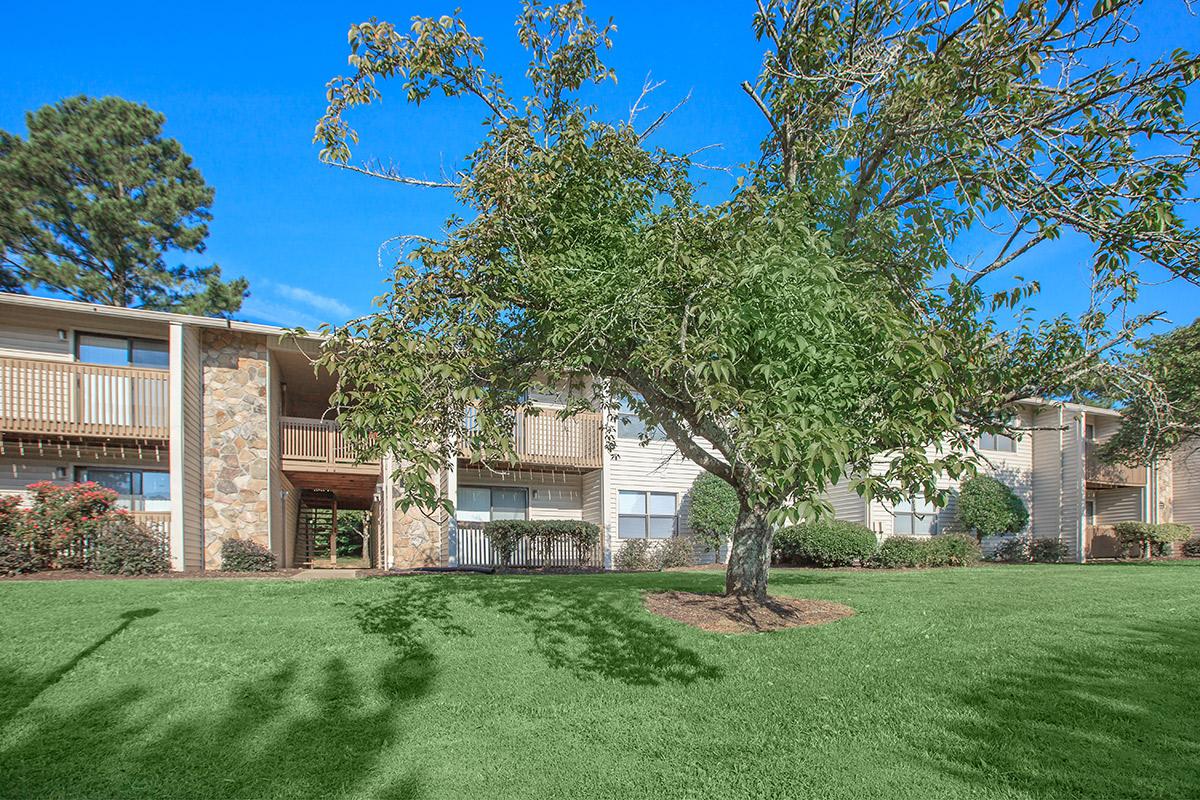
(63, 528)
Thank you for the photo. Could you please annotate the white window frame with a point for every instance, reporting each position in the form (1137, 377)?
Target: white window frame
(911, 511)
(647, 516)
(491, 502)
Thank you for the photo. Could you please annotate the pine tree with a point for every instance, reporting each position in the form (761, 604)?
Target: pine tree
(95, 200)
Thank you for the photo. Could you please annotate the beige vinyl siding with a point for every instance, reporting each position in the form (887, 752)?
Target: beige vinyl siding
(591, 487)
(1185, 488)
(1046, 514)
(26, 334)
(1071, 530)
(276, 515)
(1118, 505)
(656, 467)
(847, 505)
(33, 333)
(193, 467)
(39, 463)
(291, 519)
(551, 495)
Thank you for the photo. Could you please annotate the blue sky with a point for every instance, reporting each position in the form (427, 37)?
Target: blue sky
(243, 84)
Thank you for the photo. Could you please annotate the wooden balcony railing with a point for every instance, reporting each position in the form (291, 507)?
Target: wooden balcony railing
(544, 439)
(71, 399)
(1111, 474)
(317, 442)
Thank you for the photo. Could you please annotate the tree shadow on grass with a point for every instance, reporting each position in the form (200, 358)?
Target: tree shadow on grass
(20, 691)
(296, 730)
(1117, 718)
(591, 628)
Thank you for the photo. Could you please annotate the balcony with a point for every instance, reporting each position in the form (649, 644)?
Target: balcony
(317, 445)
(62, 398)
(545, 440)
(1104, 474)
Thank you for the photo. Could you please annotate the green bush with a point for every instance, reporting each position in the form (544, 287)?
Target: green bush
(14, 556)
(123, 547)
(1012, 551)
(678, 551)
(825, 543)
(951, 550)
(714, 510)
(582, 538)
(1191, 548)
(634, 554)
(1139, 538)
(989, 507)
(1048, 551)
(244, 555)
(901, 551)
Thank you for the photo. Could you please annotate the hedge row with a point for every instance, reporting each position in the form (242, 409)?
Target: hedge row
(837, 543)
(505, 535)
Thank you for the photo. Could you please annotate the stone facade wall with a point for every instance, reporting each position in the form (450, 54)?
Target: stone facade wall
(417, 539)
(236, 441)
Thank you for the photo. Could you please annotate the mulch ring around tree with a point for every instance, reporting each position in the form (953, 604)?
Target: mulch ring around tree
(719, 614)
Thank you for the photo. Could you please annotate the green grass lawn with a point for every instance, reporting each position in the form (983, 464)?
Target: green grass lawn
(996, 682)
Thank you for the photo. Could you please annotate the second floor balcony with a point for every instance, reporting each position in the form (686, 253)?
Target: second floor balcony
(545, 440)
(1103, 473)
(318, 445)
(65, 398)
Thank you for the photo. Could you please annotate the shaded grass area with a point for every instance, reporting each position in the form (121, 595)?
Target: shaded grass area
(996, 682)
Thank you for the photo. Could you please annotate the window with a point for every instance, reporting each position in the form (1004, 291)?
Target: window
(487, 503)
(137, 489)
(120, 351)
(998, 442)
(1089, 432)
(642, 515)
(916, 517)
(1089, 512)
(630, 426)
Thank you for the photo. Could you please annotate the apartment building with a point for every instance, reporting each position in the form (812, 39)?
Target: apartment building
(211, 430)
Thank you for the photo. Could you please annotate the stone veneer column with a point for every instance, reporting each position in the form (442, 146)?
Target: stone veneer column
(236, 443)
(417, 536)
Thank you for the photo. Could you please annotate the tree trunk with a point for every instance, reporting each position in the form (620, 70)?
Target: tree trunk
(749, 555)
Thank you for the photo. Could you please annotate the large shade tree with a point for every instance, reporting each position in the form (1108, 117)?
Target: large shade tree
(1160, 389)
(95, 199)
(814, 325)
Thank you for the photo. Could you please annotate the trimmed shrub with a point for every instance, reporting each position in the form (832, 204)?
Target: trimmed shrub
(1048, 551)
(1140, 538)
(678, 551)
(714, 510)
(825, 543)
(244, 555)
(1012, 551)
(989, 507)
(901, 551)
(581, 537)
(951, 550)
(1191, 548)
(124, 547)
(634, 554)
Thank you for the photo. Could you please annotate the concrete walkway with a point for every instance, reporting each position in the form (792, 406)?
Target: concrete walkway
(321, 574)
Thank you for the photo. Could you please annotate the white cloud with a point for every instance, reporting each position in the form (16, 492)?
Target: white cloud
(258, 310)
(311, 299)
